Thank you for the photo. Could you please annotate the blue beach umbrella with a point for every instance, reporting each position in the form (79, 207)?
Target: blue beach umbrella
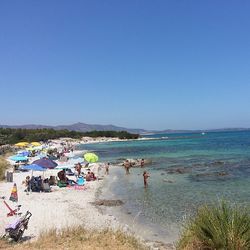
(33, 167)
(19, 158)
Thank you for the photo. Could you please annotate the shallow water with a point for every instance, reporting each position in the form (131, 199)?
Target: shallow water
(187, 171)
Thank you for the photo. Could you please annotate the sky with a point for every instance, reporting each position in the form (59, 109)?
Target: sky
(136, 63)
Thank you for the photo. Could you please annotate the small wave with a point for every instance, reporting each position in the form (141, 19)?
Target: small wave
(164, 137)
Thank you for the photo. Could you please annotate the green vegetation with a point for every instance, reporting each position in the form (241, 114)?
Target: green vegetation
(12, 136)
(3, 166)
(79, 238)
(120, 134)
(217, 227)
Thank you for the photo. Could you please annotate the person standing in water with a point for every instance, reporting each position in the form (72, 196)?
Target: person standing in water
(127, 166)
(107, 168)
(145, 178)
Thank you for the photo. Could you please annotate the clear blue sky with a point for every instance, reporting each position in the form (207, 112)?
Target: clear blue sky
(146, 64)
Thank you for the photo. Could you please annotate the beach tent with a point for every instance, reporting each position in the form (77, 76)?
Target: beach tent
(13, 195)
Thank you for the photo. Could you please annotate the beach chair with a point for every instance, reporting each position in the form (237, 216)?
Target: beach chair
(12, 211)
(16, 229)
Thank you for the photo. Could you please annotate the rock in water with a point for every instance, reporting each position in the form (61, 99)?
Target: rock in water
(108, 203)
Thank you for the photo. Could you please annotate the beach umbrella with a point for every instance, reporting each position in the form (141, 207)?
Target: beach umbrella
(33, 167)
(24, 153)
(46, 163)
(91, 157)
(22, 144)
(36, 144)
(19, 158)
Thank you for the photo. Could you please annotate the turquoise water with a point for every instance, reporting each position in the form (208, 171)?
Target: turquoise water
(186, 171)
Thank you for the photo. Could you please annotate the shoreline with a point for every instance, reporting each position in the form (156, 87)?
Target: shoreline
(134, 222)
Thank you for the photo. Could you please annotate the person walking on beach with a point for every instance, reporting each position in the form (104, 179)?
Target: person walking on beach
(127, 166)
(145, 178)
(107, 168)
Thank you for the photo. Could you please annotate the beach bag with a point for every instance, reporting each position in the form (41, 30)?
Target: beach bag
(80, 181)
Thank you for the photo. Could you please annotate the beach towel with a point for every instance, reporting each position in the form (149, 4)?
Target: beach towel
(61, 184)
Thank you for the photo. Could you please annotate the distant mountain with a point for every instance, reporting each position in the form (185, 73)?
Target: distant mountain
(84, 127)
(81, 127)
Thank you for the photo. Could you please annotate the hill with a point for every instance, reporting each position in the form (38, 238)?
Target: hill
(79, 127)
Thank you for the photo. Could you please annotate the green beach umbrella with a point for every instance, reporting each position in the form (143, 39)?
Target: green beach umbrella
(91, 157)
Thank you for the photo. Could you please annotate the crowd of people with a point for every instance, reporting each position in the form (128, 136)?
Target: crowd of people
(38, 184)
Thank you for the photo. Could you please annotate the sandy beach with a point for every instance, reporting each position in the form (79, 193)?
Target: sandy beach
(63, 207)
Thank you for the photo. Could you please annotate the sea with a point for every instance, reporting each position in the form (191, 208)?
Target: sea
(187, 170)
